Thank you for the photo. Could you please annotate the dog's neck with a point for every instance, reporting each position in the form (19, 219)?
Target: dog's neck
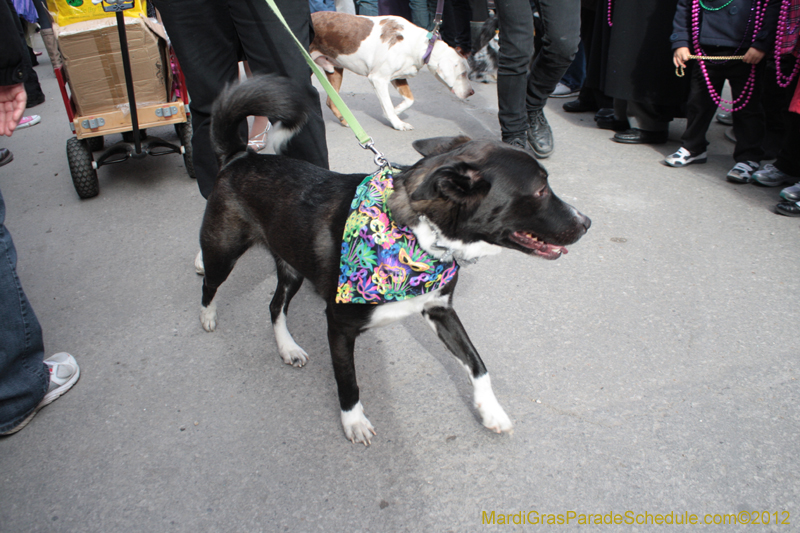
(429, 235)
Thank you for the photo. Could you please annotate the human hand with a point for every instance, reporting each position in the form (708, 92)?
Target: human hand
(681, 56)
(753, 56)
(12, 104)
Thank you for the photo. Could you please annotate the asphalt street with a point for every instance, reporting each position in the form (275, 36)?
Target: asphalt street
(651, 371)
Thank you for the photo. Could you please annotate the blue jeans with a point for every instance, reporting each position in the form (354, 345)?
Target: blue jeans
(519, 91)
(23, 375)
(368, 8)
(321, 5)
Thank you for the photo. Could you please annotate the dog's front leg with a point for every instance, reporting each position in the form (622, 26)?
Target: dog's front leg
(342, 344)
(445, 322)
(381, 86)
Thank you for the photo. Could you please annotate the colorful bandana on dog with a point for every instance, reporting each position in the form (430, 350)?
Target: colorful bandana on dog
(382, 262)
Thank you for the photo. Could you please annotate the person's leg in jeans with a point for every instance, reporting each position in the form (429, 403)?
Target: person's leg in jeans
(420, 14)
(24, 378)
(368, 8)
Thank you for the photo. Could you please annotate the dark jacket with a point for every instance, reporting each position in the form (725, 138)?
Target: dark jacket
(727, 26)
(11, 72)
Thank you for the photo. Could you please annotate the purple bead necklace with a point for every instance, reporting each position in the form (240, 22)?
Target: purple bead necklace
(782, 80)
(757, 11)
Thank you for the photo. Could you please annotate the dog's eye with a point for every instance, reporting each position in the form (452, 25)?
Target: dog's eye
(541, 193)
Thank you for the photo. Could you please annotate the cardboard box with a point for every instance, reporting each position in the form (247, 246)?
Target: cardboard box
(93, 63)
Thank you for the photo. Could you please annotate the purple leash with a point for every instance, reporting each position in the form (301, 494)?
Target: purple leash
(433, 35)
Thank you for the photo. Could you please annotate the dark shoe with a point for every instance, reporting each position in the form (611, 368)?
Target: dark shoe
(577, 106)
(5, 156)
(540, 135)
(637, 136)
(520, 142)
(35, 100)
(790, 209)
(607, 121)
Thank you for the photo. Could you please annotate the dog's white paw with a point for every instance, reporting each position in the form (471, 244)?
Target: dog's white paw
(402, 126)
(356, 426)
(492, 414)
(290, 351)
(208, 317)
(295, 356)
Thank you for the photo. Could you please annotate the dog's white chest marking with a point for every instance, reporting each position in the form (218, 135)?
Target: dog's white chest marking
(432, 241)
(391, 312)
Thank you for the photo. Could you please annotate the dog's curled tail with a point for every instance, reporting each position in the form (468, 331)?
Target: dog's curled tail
(282, 100)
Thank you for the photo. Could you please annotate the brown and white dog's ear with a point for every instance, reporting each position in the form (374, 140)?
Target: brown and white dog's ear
(460, 183)
(438, 145)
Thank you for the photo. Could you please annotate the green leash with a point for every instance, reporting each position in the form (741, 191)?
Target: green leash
(363, 139)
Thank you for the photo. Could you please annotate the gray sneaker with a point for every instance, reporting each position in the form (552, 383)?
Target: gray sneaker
(770, 176)
(64, 373)
(540, 135)
(791, 193)
(742, 172)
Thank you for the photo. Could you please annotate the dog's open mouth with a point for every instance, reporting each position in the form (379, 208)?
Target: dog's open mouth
(538, 247)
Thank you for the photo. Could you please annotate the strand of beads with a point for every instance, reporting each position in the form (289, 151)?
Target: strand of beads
(757, 13)
(783, 80)
(608, 13)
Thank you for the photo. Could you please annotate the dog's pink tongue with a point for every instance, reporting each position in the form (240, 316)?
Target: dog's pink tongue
(550, 251)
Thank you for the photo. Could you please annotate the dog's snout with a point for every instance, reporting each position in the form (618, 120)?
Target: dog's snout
(470, 92)
(585, 221)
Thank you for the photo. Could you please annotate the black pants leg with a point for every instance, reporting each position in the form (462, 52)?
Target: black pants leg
(209, 37)
(519, 90)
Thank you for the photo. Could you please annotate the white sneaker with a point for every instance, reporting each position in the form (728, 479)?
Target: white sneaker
(563, 91)
(684, 157)
(199, 267)
(64, 373)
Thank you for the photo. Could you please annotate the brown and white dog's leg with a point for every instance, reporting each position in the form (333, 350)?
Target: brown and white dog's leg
(444, 321)
(335, 78)
(405, 91)
(381, 86)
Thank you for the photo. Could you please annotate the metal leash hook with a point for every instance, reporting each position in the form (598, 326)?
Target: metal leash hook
(379, 159)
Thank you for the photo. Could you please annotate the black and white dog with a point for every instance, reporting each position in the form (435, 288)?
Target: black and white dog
(463, 200)
(483, 63)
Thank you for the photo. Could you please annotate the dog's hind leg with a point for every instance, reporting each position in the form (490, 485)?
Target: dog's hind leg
(289, 282)
(221, 249)
(445, 322)
(335, 78)
(405, 91)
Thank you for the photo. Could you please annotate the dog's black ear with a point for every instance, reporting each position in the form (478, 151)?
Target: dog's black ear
(438, 145)
(460, 183)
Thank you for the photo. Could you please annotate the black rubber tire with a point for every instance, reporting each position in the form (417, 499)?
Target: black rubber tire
(84, 177)
(184, 131)
(95, 143)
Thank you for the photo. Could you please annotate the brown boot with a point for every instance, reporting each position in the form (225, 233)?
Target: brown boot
(51, 44)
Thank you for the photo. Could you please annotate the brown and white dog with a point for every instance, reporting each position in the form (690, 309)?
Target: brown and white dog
(386, 50)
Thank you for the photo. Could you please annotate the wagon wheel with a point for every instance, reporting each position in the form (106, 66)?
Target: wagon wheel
(95, 143)
(84, 176)
(184, 131)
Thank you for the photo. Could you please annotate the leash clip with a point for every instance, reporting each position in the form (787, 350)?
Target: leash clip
(379, 159)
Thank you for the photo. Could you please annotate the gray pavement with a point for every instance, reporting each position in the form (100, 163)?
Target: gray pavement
(652, 370)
